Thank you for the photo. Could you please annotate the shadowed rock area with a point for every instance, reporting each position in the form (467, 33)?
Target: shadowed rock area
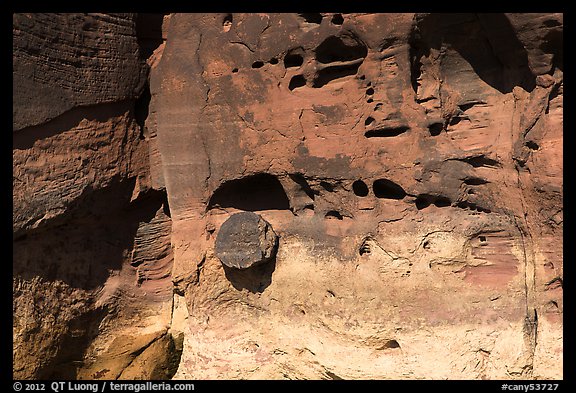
(288, 196)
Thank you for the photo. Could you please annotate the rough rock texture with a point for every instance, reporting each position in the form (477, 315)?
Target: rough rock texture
(410, 164)
(245, 240)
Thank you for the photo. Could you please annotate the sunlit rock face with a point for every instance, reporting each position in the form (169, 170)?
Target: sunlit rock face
(404, 172)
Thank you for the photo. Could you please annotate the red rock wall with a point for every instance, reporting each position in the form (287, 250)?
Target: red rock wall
(411, 165)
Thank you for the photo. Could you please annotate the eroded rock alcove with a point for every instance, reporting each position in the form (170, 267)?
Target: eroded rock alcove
(409, 164)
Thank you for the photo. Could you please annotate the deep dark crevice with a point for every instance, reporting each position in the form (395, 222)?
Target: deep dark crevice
(258, 64)
(480, 161)
(472, 206)
(386, 132)
(149, 33)
(315, 18)
(251, 193)
(227, 22)
(141, 108)
(299, 179)
(425, 200)
(331, 73)
(360, 188)
(294, 58)
(384, 188)
(532, 145)
(475, 181)
(340, 49)
(435, 128)
(334, 214)
(296, 82)
(553, 44)
(337, 19)
(327, 186)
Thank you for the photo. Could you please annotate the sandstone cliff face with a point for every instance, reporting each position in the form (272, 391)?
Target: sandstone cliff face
(410, 165)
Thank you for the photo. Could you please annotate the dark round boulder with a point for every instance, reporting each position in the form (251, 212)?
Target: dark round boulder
(244, 240)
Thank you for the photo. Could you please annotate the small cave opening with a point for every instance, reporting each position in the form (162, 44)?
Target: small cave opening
(273, 61)
(384, 188)
(360, 188)
(227, 23)
(390, 344)
(435, 128)
(334, 214)
(369, 120)
(294, 58)
(258, 64)
(340, 49)
(532, 145)
(296, 82)
(252, 193)
(370, 91)
(482, 239)
(337, 19)
(475, 181)
(313, 17)
(425, 200)
(386, 132)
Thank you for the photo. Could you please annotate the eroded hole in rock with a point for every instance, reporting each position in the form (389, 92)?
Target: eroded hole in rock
(472, 206)
(532, 145)
(251, 193)
(333, 72)
(334, 214)
(425, 200)
(234, 70)
(293, 59)
(340, 49)
(273, 60)
(435, 128)
(481, 161)
(369, 100)
(312, 17)
(327, 186)
(369, 120)
(257, 64)
(337, 19)
(386, 132)
(227, 22)
(475, 181)
(360, 188)
(390, 344)
(384, 188)
(370, 91)
(482, 239)
(365, 247)
(296, 82)
(378, 106)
